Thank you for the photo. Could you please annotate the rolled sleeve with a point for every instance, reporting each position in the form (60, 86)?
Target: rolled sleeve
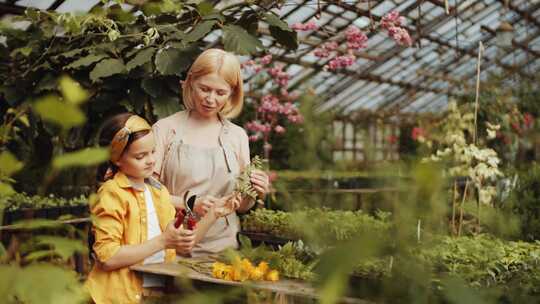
(107, 224)
(243, 152)
(161, 145)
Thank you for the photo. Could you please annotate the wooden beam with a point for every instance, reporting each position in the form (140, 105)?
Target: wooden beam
(11, 9)
(361, 76)
(527, 15)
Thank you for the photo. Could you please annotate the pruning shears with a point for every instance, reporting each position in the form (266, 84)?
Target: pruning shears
(187, 216)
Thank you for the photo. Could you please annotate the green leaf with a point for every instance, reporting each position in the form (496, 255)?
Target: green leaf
(47, 83)
(216, 16)
(288, 39)
(52, 109)
(165, 106)
(154, 87)
(72, 90)
(46, 283)
(205, 8)
(245, 242)
(33, 14)
(199, 31)
(249, 21)
(25, 51)
(62, 246)
(85, 61)
(9, 164)
(141, 58)
(238, 40)
(106, 68)
(85, 157)
(72, 53)
(273, 20)
(173, 61)
(6, 189)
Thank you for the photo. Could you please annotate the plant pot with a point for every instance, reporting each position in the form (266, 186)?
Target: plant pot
(54, 212)
(258, 238)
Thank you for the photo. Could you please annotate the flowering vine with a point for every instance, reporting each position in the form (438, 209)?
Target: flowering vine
(275, 106)
(391, 23)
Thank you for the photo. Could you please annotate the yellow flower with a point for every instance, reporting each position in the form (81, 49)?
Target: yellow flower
(239, 275)
(228, 273)
(263, 267)
(218, 270)
(246, 265)
(272, 276)
(257, 274)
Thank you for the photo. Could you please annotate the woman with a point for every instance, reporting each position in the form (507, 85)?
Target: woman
(199, 150)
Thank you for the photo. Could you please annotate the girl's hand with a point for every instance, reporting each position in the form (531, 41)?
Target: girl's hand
(260, 182)
(180, 239)
(203, 204)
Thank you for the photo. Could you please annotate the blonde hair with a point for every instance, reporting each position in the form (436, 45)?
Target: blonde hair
(225, 65)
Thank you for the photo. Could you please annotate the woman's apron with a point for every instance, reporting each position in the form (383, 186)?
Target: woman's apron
(204, 171)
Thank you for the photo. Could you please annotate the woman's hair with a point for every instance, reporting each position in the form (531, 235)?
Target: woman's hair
(225, 65)
(107, 131)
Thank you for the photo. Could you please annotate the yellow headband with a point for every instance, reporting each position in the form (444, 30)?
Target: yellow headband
(120, 139)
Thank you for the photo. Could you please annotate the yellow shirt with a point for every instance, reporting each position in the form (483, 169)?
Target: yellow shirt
(120, 219)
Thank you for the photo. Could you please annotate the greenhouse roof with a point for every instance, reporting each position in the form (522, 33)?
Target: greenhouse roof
(387, 78)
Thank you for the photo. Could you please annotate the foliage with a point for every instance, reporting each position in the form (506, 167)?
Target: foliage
(464, 158)
(124, 60)
(485, 261)
(243, 183)
(290, 260)
(481, 261)
(514, 107)
(525, 201)
(331, 225)
(22, 200)
(29, 263)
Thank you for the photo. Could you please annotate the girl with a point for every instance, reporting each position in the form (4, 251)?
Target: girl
(133, 216)
(199, 150)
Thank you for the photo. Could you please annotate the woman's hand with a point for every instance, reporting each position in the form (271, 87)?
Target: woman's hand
(227, 204)
(180, 239)
(261, 183)
(203, 204)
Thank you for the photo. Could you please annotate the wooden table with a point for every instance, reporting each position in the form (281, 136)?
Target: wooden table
(283, 286)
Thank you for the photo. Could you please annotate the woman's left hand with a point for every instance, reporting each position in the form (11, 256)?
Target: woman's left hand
(261, 183)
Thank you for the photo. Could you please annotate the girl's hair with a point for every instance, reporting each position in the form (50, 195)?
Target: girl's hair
(109, 128)
(225, 65)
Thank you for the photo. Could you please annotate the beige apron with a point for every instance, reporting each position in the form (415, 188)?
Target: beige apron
(203, 171)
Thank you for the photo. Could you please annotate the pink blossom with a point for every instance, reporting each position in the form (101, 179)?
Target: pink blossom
(528, 120)
(324, 50)
(339, 62)
(356, 39)
(278, 75)
(418, 133)
(279, 129)
(392, 139)
(296, 119)
(400, 35)
(392, 19)
(254, 137)
(266, 59)
(311, 25)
